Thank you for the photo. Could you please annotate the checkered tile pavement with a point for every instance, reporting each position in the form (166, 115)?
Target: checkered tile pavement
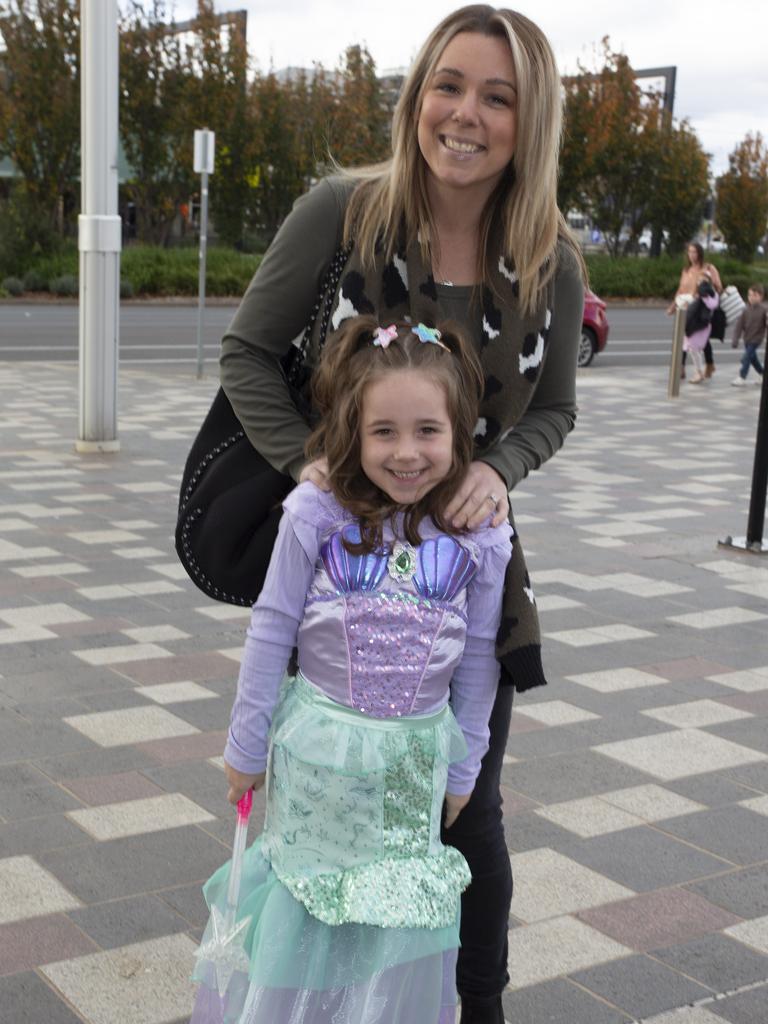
(636, 784)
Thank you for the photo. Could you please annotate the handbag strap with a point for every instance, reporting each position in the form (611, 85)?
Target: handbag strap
(324, 302)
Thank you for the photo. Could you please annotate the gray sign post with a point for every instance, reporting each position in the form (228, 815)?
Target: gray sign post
(205, 142)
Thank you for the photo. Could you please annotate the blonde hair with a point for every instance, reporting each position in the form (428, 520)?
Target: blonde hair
(525, 201)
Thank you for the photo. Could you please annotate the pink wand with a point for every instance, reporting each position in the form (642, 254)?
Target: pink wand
(225, 948)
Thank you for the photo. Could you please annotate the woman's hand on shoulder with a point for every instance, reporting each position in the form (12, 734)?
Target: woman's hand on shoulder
(482, 492)
(454, 805)
(240, 782)
(317, 473)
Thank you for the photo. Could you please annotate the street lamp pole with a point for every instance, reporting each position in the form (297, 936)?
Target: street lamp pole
(99, 229)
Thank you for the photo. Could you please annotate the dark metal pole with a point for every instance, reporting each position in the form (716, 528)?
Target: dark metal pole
(753, 543)
(756, 519)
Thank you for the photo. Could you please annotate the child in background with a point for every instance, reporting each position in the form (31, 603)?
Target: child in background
(354, 899)
(752, 324)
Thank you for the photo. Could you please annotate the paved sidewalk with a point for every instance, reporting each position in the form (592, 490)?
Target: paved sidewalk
(636, 789)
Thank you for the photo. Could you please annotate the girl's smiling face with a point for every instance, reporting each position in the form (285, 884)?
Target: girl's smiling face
(467, 126)
(406, 437)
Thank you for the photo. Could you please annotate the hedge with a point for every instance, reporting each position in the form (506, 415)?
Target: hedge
(147, 271)
(638, 277)
(152, 271)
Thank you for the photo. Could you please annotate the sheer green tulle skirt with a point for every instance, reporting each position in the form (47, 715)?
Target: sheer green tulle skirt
(352, 900)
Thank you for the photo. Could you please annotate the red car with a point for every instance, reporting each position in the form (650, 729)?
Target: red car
(594, 328)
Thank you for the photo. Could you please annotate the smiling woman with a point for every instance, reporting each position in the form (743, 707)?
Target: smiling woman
(461, 224)
(468, 121)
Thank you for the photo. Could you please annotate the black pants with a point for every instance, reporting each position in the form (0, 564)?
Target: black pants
(479, 834)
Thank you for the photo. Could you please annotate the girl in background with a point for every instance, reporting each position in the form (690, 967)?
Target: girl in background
(695, 266)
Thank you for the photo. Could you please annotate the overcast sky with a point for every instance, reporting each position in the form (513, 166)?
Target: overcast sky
(720, 50)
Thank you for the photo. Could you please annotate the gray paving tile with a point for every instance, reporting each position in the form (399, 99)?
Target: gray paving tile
(640, 986)
(122, 922)
(716, 961)
(745, 1008)
(752, 775)
(738, 834)
(48, 709)
(188, 902)
(34, 835)
(751, 732)
(713, 788)
(643, 858)
(528, 831)
(558, 1002)
(198, 780)
(35, 801)
(96, 761)
(113, 700)
(569, 776)
(26, 999)
(743, 892)
(207, 715)
(126, 867)
(19, 736)
(38, 685)
(20, 775)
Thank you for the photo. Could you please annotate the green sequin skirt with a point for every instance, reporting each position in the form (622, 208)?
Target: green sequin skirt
(353, 899)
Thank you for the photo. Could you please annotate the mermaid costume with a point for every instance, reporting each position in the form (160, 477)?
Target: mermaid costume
(352, 900)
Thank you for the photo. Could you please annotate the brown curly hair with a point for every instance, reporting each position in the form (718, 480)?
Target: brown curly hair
(348, 364)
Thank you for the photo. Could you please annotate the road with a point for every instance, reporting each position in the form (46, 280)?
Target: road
(46, 332)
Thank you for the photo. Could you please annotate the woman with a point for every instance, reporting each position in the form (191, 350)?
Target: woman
(695, 267)
(462, 224)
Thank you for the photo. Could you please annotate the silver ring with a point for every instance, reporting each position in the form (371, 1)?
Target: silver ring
(492, 497)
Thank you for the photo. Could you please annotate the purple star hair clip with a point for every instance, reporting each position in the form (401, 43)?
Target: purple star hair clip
(429, 335)
(382, 336)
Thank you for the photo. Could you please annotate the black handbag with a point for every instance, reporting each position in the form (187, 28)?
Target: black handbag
(230, 497)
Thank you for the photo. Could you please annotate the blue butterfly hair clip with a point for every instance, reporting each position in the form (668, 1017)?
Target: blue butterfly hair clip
(429, 336)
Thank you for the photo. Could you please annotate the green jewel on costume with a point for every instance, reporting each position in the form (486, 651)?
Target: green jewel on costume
(402, 562)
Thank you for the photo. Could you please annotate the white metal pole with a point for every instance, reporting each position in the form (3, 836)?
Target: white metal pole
(201, 276)
(99, 228)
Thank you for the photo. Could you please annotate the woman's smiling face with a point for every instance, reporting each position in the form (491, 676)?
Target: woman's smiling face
(467, 125)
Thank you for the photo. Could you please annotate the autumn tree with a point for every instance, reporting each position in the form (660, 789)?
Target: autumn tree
(624, 161)
(742, 197)
(154, 125)
(219, 99)
(680, 184)
(611, 130)
(40, 104)
(358, 125)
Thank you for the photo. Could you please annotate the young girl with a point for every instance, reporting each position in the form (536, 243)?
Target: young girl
(352, 898)
(698, 325)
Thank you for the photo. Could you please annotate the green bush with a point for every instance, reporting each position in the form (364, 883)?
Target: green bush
(64, 261)
(66, 285)
(26, 232)
(155, 271)
(634, 277)
(126, 288)
(34, 281)
(13, 286)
